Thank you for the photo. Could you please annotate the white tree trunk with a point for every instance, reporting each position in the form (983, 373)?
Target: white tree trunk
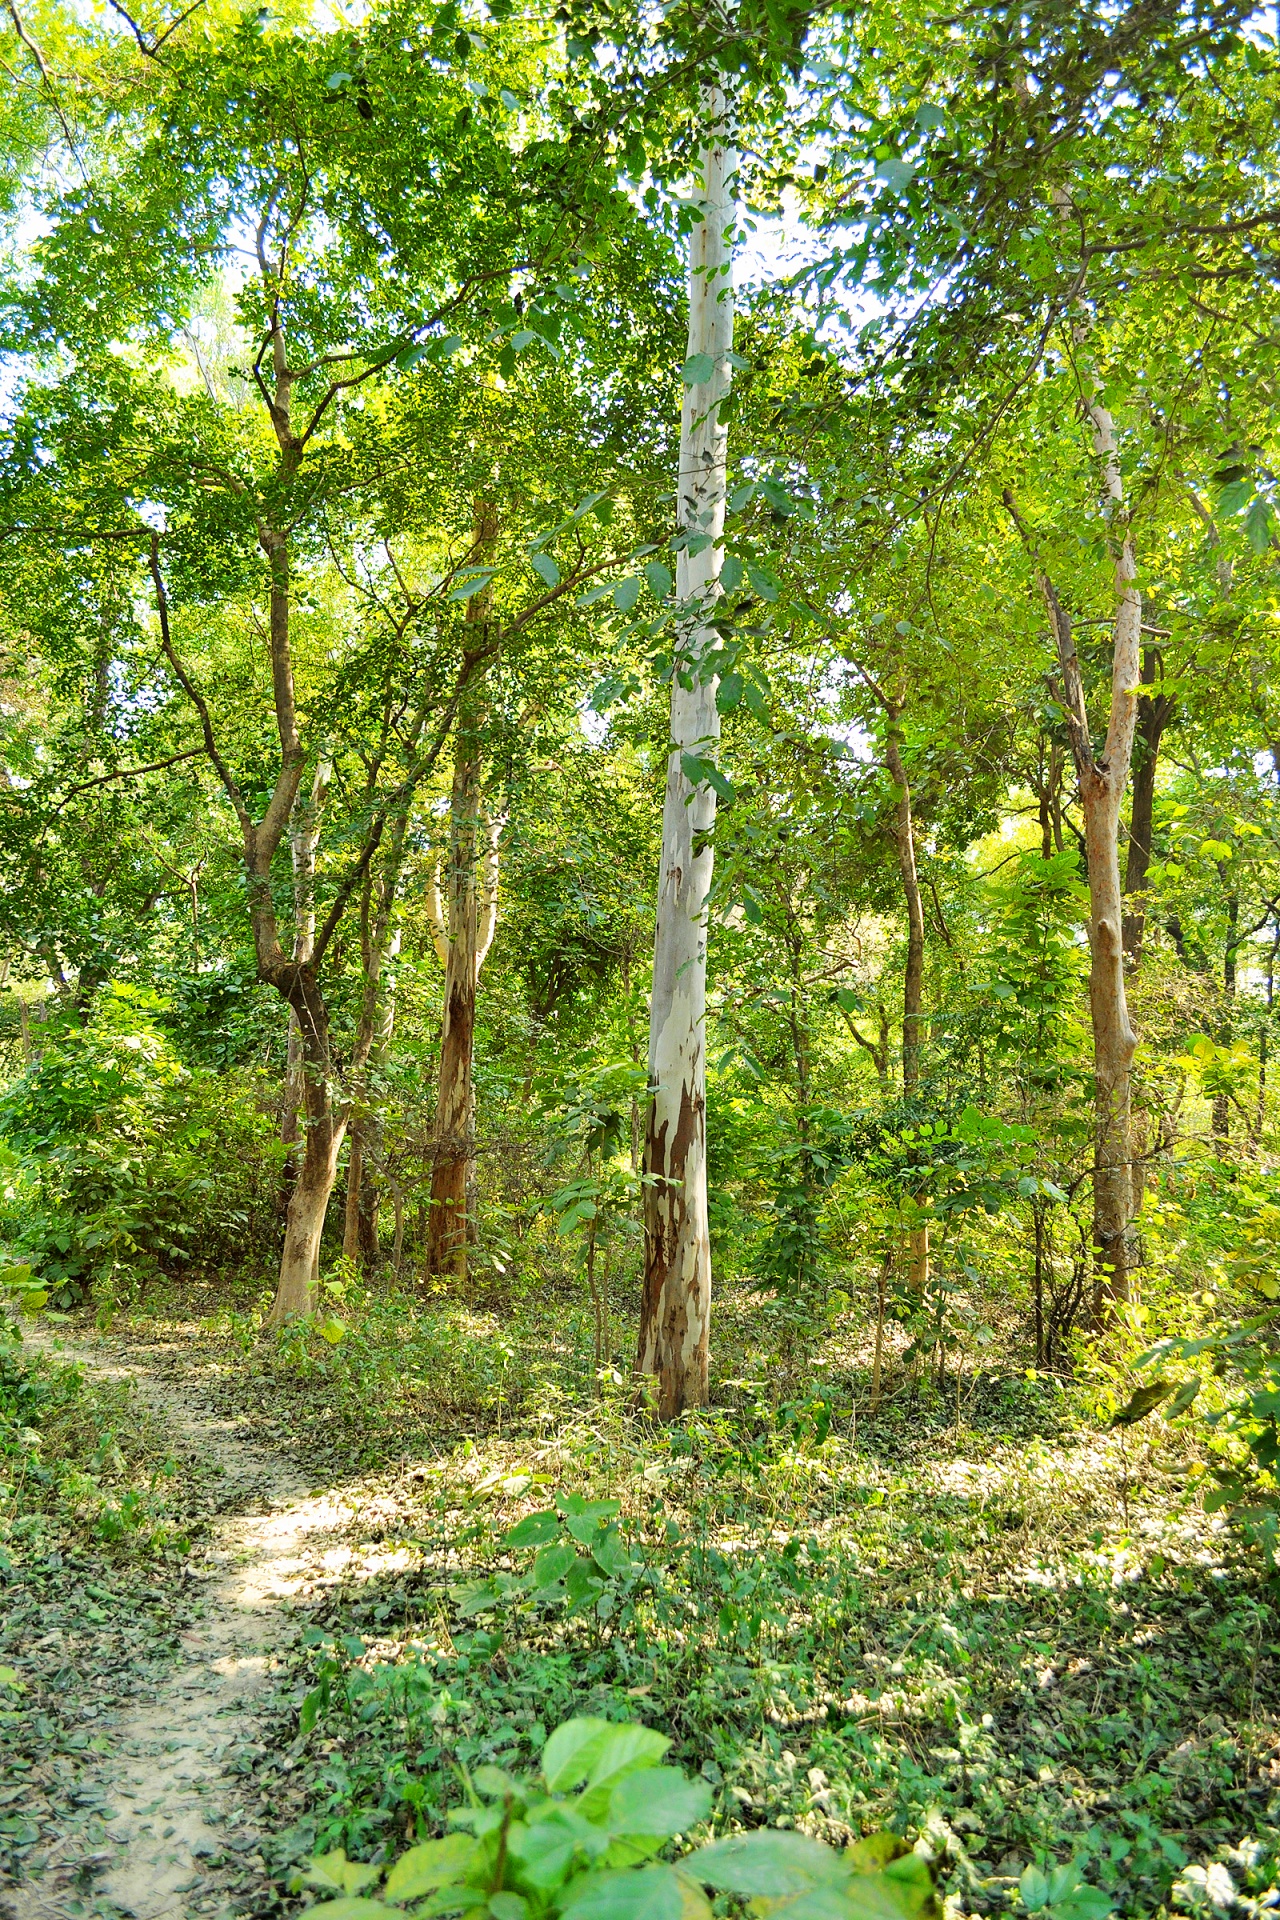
(675, 1312)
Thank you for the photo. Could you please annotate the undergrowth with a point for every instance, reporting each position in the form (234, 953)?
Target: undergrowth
(1021, 1651)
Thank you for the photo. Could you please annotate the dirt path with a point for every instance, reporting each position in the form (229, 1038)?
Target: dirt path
(165, 1780)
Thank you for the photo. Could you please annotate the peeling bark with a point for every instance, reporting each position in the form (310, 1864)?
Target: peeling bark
(675, 1305)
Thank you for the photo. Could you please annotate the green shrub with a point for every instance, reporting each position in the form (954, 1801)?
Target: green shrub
(524, 1849)
(130, 1164)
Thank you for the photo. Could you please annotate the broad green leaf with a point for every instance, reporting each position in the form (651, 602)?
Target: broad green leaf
(545, 567)
(659, 579)
(770, 1864)
(1182, 1399)
(547, 1846)
(763, 582)
(623, 1748)
(896, 174)
(508, 1906)
(1034, 1888)
(1257, 525)
(1084, 1903)
(732, 573)
(495, 1783)
(611, 1556)
(626, 593)
(1138, 1405)
(658, 1800)
(334, 1871)
(571, 1751)
(436, 1863)
(697, 369)
(552, 1564)
(535, 1530)
(582, 1583)
(648, 1893)
(478, 1596)
(472, 583)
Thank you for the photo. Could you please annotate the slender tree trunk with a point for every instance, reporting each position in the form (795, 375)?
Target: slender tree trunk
(913, 981)
(323, 1131)
(1102, 782)
(1226, 1027)
(675, 1304)
(379, 945)
(1154, 714)
(462, 940)
(305, 837)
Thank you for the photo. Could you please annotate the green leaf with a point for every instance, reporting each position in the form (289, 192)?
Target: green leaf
(626, 593)
(1085, 1903)
(623, 1749)
(570, 1752)
(553, 1838)
(535, 1530)
(1182, 1399)
(659, 579)
(729, 692)
(658, 1800)
(582, 1583)
(697, 369)
(611, 1556)
(436, 1863)
(582, 1517)
(472, 583)
(495, 1783)
(333, 1871)
(764, 583)
(508, 1906)
(545, 567)
(896, 174)
(475, 1597)
(552, 1564)
(650, 1893)
(768, 1864)
(699, 772)
(1034, 1888)
(1257, 525)
(732, 573)
(1141, 1401)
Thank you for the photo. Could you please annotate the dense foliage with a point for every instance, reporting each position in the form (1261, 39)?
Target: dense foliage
(355, 599)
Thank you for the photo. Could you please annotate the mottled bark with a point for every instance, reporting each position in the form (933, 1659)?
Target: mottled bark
(1155, 710)
(1102, 779)
(463, 925)
(675, 1304)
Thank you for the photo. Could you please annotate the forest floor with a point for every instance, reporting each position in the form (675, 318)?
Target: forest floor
(1008, 1633)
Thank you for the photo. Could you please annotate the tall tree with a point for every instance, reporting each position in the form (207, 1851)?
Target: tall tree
(675, 1302)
